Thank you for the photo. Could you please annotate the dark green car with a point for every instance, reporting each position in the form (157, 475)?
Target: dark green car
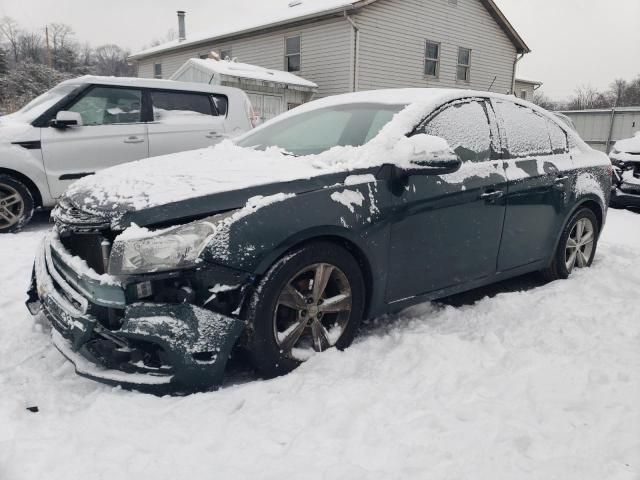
(282, 242)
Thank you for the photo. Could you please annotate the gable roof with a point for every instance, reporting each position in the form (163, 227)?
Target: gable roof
(302, 11)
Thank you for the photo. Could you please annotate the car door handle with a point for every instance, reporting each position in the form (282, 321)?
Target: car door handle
(562, 179)
(134, 140)
(214, 135)
(493, 195)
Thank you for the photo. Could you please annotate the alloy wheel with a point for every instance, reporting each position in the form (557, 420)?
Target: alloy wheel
(11, 206)
(312, 311)
(580, 245)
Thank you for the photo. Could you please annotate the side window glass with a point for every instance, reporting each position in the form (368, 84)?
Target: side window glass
(526, 131)
(465, 127)
(558, 138)
(168, 106)
(222, 104)
(107, 106)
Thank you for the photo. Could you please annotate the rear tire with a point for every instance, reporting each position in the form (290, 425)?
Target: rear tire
(16, 204)
(289, 320)
(577, 246)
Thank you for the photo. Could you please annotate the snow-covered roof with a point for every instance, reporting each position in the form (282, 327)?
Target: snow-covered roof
(145, 83)
(301, 10)
(244, 70)
(528, 82)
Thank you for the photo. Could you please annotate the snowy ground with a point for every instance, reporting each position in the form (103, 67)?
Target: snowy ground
(536, 384)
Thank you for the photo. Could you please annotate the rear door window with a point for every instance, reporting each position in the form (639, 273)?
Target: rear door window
(181, 105)
(525, 131)
(465, 127)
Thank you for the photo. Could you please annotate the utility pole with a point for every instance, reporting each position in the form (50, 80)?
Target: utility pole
(46, 36)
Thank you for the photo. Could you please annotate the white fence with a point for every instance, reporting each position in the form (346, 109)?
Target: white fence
(603, 127)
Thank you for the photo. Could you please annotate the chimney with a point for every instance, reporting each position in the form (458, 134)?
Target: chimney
(182, 34)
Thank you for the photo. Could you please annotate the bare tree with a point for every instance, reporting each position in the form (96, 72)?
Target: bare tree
(31, 46)
(10, 30)
(540, 99)
(586, 97)
(64, 54)
(112, 60)
(167, 37)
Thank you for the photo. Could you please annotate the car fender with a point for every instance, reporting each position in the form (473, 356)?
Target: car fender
(24, 161)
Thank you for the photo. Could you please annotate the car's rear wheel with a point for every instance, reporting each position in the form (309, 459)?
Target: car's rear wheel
(310, 300)
(577, 246)
(16, 204)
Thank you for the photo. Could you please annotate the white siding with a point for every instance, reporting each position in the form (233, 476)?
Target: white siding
(524, 87)
(326, 54)
(392, 44)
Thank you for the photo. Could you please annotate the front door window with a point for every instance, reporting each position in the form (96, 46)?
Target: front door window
(108, 106)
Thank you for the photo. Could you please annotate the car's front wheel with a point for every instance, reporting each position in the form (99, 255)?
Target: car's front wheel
(16, 204)
(311, 300)
(577, 246)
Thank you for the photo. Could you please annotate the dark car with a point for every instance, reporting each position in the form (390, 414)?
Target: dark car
(281, 243)
(625, 158)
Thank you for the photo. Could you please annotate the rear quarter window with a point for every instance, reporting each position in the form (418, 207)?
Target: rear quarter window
(222, 104)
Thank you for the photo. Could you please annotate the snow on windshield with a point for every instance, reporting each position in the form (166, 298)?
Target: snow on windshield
(41, 104)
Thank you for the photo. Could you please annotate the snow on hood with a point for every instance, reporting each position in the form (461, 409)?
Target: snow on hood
(227, 167)
(629, 145)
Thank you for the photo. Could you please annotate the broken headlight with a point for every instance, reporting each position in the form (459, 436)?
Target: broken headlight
(142, 251)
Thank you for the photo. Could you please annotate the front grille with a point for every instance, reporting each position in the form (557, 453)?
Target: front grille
(87, 246)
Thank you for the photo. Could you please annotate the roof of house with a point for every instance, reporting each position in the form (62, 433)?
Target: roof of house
(528, 82)
(244, 70)
(300, 11)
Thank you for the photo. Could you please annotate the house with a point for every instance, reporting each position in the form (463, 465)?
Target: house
(271, 91)
(346, 46)
(524, 89)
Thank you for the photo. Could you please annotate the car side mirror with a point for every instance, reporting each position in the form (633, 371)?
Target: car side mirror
(435, 165)
(423, 154)
(66, 119)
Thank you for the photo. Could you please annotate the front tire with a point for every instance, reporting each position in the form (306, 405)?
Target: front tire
(312, 299)
(577, 246)
(16, 204)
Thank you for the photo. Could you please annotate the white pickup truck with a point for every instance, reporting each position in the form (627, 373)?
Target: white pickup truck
(90, 123)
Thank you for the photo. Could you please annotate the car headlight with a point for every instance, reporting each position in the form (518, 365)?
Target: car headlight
(170, 249)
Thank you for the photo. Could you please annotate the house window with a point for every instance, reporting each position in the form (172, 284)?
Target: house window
(292, 54)
(523, 94)
(464, 64)
(432, 59)
(226, 53)
(157, 70)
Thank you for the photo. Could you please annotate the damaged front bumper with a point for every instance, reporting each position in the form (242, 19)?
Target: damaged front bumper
(157, 347)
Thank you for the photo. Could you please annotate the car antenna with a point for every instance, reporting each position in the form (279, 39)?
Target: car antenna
(494, 81)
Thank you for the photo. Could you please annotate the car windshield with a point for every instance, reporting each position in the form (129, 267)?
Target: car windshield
(316, 131)
(41, 104)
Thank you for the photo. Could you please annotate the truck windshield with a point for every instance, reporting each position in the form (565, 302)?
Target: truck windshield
(316, 131)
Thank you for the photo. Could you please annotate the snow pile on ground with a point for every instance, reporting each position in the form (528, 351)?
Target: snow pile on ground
(535, 384)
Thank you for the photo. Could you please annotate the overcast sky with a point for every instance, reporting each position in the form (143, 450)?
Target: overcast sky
(574, 42)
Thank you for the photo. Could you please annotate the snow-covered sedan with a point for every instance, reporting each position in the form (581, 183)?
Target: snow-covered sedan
(282, 242)
(90, 123)
(625, 158)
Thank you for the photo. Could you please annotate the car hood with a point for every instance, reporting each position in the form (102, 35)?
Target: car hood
(629, 145)
(197, 183)
(14, 129)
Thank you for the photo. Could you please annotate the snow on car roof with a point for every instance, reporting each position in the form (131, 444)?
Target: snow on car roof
(147, 83)
(245, 70)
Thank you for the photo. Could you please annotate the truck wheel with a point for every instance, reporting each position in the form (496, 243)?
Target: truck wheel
(577, 246)
(311, 300)
(16, 204)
